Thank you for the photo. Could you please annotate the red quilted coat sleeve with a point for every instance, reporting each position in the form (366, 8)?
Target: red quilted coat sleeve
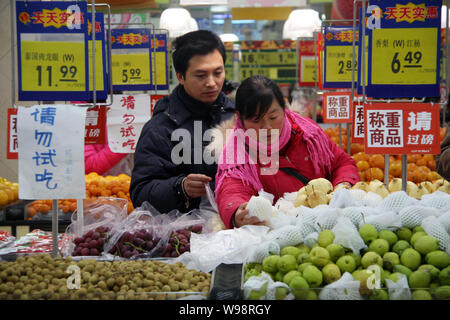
(100, 158)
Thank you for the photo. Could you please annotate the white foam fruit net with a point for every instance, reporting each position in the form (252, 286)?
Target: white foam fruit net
(396, 201)
(260, 207)
(355, 214)
(257, 252)
(384, 221)
(286, 236)
(412, 216)
(311, 239)
(326, 218)
(437, 199)
(445, 221)
(346, 234)
(434, 228)
(346, 288)
(257, 283)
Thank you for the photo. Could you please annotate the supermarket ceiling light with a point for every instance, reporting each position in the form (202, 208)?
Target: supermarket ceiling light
(444, 16)
(301, 23)
(229, 37)
(177, 21)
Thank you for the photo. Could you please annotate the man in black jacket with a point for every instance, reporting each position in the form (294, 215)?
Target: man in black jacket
(169, 168)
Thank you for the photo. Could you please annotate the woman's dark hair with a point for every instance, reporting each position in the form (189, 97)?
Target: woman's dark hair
(255, 95)
(201, 42)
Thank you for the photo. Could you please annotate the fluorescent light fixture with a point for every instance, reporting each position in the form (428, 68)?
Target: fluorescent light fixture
(301, 23)
(242, 21)
(218, 21)
(219, 9)
(444, 16)
(177, 21)
(229, 37)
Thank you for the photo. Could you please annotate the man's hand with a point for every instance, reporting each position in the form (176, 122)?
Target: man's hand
(241, 218)
(194, 185)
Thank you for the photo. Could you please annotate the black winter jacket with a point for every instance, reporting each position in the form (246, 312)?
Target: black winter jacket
(155, 177)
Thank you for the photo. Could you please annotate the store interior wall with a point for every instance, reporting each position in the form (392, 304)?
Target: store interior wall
(8, 168)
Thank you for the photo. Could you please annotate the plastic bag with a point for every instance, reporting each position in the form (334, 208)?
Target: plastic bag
(384, 221)
(326, 218)
(346, 288)
(343, 198)
(311, 239)
(346, 234)
(257, 252)
(399, 290)
(255, 288)
(271, 292)
(434, 228)
(102, 215)
(286, 236)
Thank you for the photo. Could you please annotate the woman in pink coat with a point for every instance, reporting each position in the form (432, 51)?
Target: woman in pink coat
(266, 141)
(100, 159)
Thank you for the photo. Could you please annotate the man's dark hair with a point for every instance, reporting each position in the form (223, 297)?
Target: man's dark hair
(255, 95)
(201, 42)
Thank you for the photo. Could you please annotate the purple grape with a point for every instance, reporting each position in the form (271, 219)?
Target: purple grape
(95, 236)
(87, 240)
(197, 228)
(84, 245)
(148, 236)
(101, 242)
(166, 255)
(93, 244)
(138, 242)
(182, 249)
(89, 234)
(78, 240)
(174, 254)
(85, 251)
(169, 247)
(134, 253)
(149, 245)
(188, 247)
(127, 254)
(126, 236)
(94, 252)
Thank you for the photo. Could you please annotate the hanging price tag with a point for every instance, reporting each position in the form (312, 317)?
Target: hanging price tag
(131, 69)
(338, 63)
(404, 56)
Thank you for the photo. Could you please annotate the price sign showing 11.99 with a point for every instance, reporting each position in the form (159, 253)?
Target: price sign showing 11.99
(53, 51)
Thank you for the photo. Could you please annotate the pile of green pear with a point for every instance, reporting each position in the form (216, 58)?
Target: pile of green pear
(410, 252)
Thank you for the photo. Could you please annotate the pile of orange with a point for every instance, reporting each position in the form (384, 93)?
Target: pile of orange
(96, 186)
(420, 167)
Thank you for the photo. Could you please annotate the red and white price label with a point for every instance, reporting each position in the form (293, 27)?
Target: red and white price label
(402, 128)
(358, 123)
(95, 129)
(11, 144)
(337, 107)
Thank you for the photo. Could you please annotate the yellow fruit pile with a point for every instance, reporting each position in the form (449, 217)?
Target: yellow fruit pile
(9, 192)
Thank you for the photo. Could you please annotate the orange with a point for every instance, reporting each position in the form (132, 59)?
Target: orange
(376, 161)
(395, 169)
(360, 156)
(431, 164)
(3, 198)
(375, 173)
(411, 166)
(362, 165)
(421, 162)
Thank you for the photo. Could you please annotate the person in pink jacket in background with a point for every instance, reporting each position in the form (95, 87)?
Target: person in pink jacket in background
(284, 142)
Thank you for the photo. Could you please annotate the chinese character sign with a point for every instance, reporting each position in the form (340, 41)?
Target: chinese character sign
(402, 128)
(358, 123)
(51, 157)
(11, 144)
(95, 131)
(337, 107)
(125, 121)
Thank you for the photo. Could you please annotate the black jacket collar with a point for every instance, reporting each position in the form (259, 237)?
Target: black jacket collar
(182, 106)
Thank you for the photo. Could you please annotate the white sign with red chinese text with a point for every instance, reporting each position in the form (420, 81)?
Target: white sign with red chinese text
(125, 121)
(358, 123)
(337, 107)
(11, 144)
(51, 152)
(402, 128)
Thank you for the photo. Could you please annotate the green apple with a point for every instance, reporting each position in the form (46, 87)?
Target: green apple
(379, 246)
(303, 257)
(395, 276)
(346, 264)
(416, 236)
(304, 248)
(291, 250)
(404, 234)
(299, 287)
(287, 263)
(410, 258)
(442, 293)
(326, 237)
(432, 270)
(370, 258)
(290, 275)
(438, 258)
(426, 244)
(419, 279)
(312, 295)
(368, 233)
(303, 266)
(357, 258)
(270, 263)
(400, 246)
(390, 259)
(313, 276)
(319, 256)
(251, 273)
(389, 236)
(444, 276)
(421, 295)
(336, 251)
(331, 273)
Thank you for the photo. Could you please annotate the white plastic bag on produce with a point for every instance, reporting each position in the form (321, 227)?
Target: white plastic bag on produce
(227, 246)
(384, 221)
(273, 287)
(346, 234)
(257, 252)
(255, 288)
(346, 288)
(433, 227)
(399, 290)
(99, 215)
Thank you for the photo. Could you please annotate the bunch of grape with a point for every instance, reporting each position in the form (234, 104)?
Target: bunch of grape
(92, 243)
(132, 244)
(179, 241)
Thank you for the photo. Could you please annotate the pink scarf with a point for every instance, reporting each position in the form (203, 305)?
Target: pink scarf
(236, 162)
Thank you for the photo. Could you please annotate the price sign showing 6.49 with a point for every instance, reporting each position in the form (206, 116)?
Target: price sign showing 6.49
(404, 56)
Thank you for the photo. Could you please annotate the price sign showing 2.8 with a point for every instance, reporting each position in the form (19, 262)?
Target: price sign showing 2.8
(404, 56)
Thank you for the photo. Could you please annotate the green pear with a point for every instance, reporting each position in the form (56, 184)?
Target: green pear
(379, 246)
(312, 295)
(357, 258)
(251, 273)
(303, 266)
(304, 248)
(410, 258)
(290, 275)
(432, 270)
(416, 236)
(336, 251)
(421, 295)
(444, 276)
(390, 259)
(379, 294)
(303, 257)
(281, 293)
(395, 276)
(331, 273)
(362, 276)
(419, 279)
(418, 229)
(386, 274)
(426, 244)
(319, 256)
(442, 293)
(299, 287)
(270, 263)
(370, 258)
(346, 264)
(287, 263)
(402, 269)
(438, 258)
(258, 294)
(368, 233)
(279, 276)
(326, 237)
(291, 250)
(404, 234)
(389, 236)
(400, 246)
(313, 276)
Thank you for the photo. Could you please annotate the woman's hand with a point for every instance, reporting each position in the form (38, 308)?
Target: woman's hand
(194, 185)
(241, 218)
